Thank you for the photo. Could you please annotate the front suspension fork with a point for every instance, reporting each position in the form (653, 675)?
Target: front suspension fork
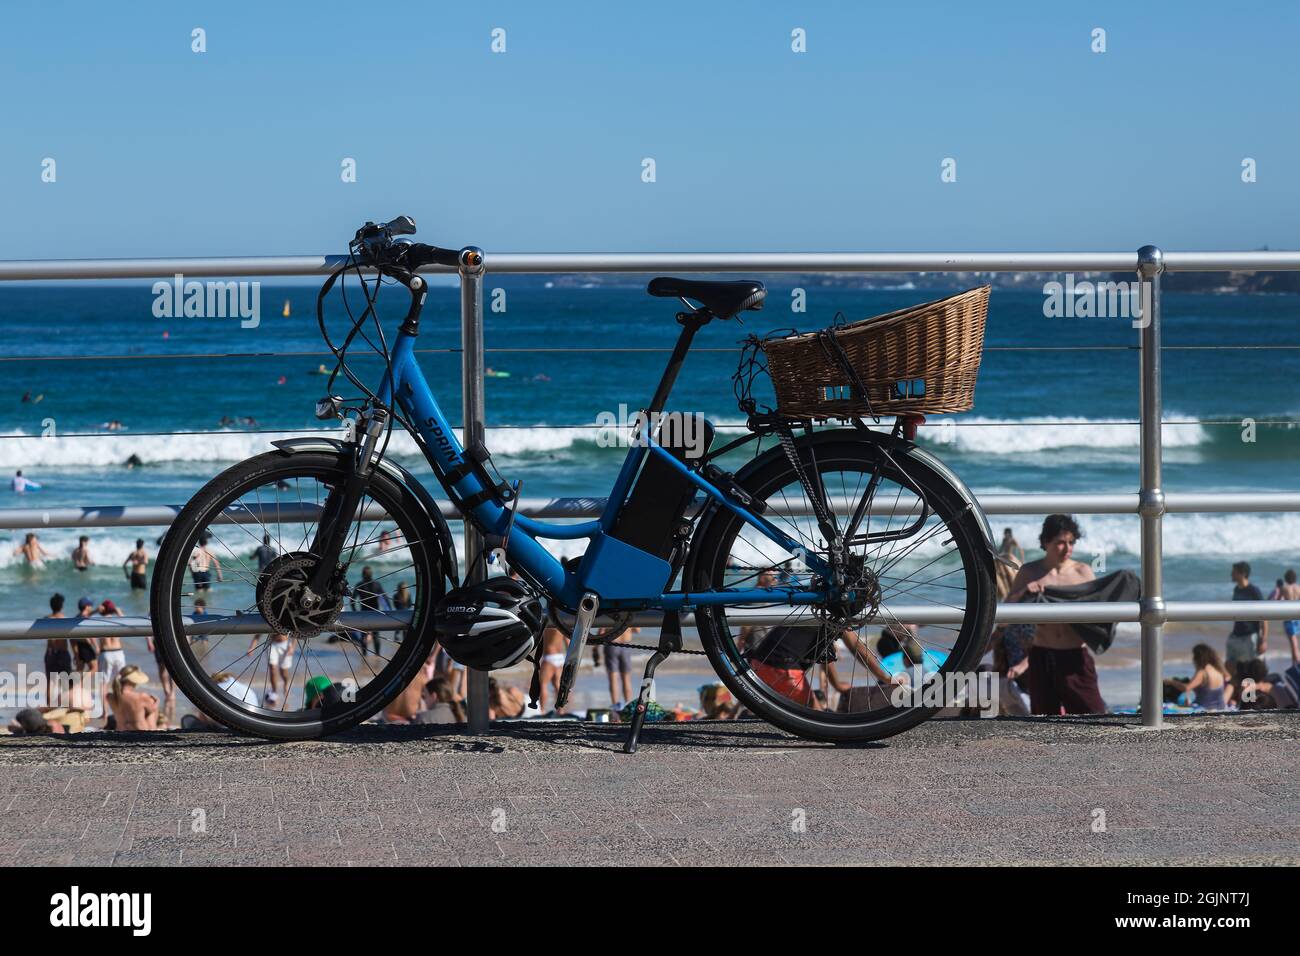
(341, 506)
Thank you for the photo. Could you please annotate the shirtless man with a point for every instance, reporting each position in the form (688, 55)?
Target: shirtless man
(111, 654)
(1061, 670)
(81, 559)
(32, 551)
(1291, 592)
(136, 564)
(202, 563)
(58, 655)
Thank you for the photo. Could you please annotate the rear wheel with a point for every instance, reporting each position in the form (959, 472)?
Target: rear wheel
(830, 673)
(300, 673)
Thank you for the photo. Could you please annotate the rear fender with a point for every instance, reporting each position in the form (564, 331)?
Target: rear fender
(899, 448)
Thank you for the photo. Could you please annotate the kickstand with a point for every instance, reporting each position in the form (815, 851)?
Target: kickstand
(670, 639)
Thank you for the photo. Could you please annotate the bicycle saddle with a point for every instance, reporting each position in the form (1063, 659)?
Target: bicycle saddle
(723, 299)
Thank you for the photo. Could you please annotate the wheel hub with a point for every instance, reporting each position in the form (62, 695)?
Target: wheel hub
(859, 596)
(288, 604)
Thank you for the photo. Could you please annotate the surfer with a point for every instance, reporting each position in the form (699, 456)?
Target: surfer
(21, 485)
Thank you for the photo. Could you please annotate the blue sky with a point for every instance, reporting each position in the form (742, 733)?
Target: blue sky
(162, 151)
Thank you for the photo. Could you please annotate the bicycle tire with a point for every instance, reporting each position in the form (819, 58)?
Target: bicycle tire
(202, 511)
(707, 571)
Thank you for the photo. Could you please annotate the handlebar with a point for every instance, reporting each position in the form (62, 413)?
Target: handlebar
(420, 254)
(376, 246)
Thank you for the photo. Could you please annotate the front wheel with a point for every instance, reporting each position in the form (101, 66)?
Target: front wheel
(915, 551)
(241, 551)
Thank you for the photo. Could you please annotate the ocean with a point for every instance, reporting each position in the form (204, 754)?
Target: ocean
(1056, 404)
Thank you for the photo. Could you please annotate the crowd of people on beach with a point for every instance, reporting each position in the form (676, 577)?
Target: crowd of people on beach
(1044, 668)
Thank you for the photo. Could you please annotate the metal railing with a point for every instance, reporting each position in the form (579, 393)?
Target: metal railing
(1151, 503)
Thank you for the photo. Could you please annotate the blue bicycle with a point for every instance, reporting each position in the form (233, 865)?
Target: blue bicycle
(835, 568)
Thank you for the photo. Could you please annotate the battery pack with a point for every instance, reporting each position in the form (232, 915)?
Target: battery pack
(660, 495)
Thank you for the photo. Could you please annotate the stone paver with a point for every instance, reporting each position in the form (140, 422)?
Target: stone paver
(1067, 791)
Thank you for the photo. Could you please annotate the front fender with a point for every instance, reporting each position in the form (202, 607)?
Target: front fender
(450, 568)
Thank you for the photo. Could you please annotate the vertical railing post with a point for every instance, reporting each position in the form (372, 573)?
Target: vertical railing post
(473, 412)
(1151, 498)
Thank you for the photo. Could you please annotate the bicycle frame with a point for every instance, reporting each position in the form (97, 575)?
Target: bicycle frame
(624, 577)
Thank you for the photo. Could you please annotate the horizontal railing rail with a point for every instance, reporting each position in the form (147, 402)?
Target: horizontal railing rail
(54, 628)
(142, 516)
(1098, 612)
(636, 262)
(1150, 503)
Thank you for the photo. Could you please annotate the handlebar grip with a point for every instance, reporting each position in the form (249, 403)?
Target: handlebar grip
(422, 254)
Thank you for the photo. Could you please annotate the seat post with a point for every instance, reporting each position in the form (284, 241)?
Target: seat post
(691, 323)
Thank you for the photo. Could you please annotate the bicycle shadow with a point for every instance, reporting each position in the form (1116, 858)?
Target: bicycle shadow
(740, 735)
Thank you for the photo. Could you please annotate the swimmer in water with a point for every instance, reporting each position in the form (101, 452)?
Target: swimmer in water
(81, 559)
(21, 485)
(202, 563)
(30, 399)
(135, 566)
(32, 551)
(134, 462)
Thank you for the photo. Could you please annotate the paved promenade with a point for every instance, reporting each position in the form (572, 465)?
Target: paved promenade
(1068, 791)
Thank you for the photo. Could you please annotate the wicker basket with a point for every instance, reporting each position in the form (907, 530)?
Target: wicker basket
(918, 360)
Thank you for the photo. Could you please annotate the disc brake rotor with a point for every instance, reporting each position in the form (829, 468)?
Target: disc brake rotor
(281, 590)
(862, 595)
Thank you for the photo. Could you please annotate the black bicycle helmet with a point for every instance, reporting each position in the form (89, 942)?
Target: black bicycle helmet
(489, 625)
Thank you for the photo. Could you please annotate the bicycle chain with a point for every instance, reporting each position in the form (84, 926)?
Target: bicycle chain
(639, 647)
